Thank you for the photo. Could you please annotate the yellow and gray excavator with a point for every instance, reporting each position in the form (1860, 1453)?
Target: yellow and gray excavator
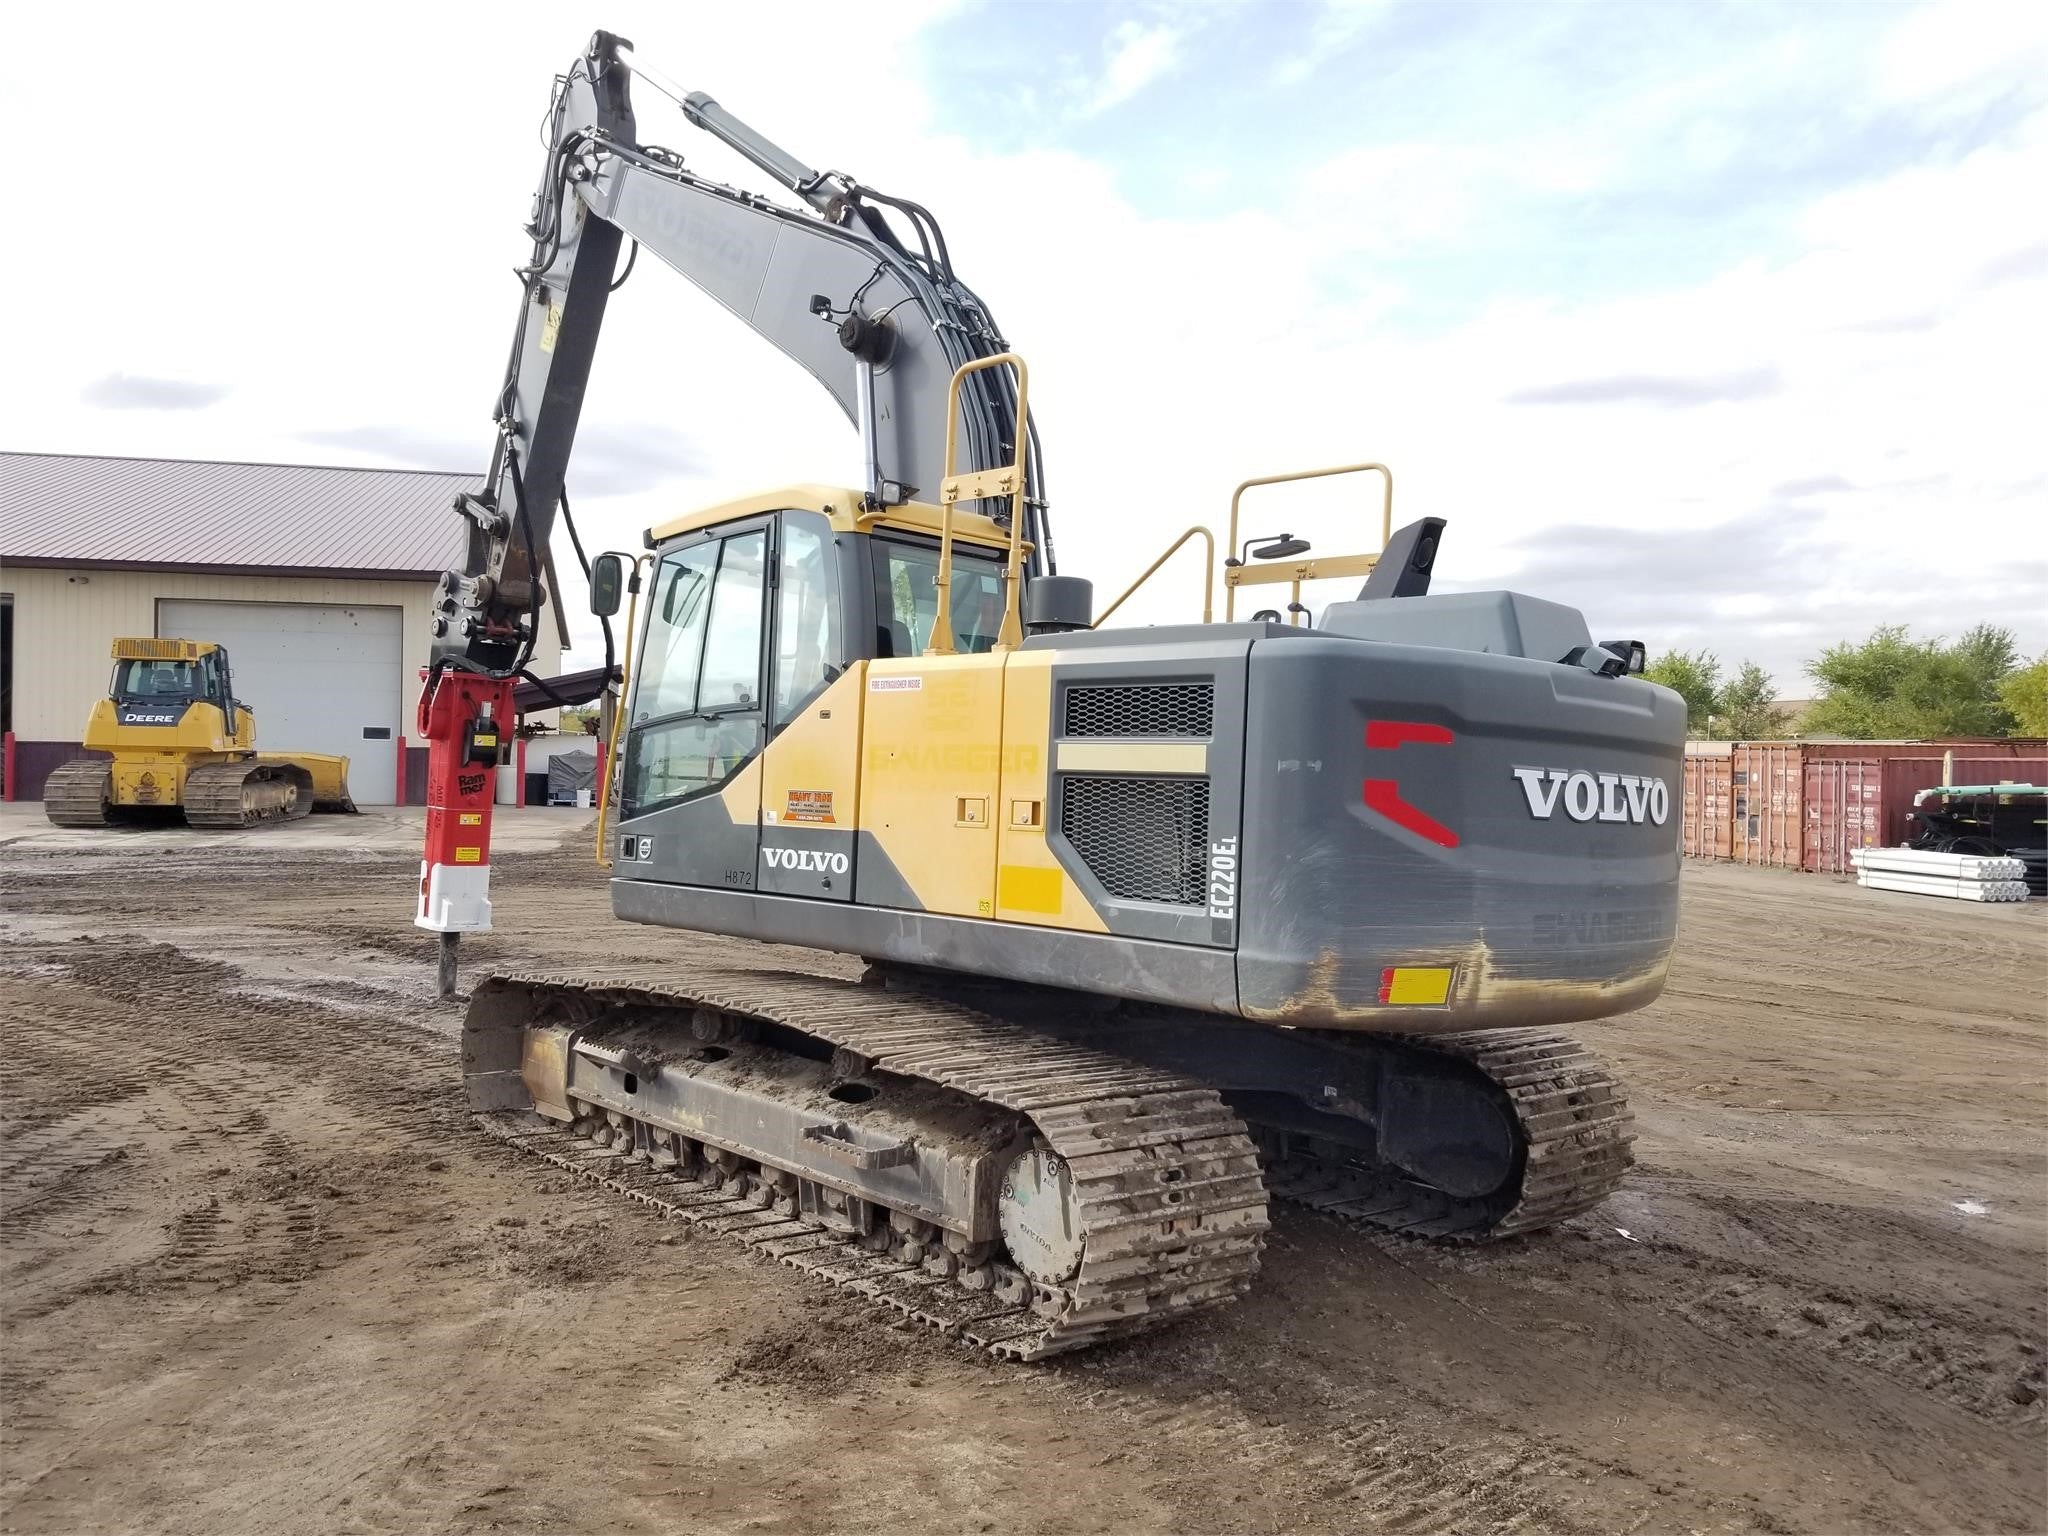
(178, 739)
(1161, 924)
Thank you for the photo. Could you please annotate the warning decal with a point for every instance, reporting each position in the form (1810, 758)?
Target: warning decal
(469, 855)
(895, 685)
(809, 805)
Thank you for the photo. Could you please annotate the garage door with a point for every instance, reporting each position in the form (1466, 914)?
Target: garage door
(320, 678)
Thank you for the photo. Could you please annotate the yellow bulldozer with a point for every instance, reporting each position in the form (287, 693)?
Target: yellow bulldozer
(178, 739)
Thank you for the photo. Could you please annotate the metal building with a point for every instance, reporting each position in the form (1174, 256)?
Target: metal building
(318, 580)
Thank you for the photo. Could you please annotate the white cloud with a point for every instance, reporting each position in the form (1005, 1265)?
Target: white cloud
(1139, 54)
(1388, 197)
(1950, 44)
(1337, 25)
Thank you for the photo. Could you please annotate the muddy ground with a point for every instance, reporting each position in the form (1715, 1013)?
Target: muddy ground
(259, 1277)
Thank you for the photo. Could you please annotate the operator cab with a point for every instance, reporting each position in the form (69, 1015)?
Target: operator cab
(162, 679)
(753, 610)
(155, 681)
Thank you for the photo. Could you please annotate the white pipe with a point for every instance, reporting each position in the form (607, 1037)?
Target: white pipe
(1931, 885)
(1921, 861)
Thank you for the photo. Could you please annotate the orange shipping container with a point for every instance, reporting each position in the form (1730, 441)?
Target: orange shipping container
(1844, 810)
(1767, 783)
(1706, 829)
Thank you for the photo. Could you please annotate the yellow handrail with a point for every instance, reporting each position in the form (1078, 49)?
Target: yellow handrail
(973, 486)
(611, 756)
(1208, 576)
(1232, 576)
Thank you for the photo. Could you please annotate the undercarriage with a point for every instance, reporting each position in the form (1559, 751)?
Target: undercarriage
(214, 795)
(1027, 1194)
(1028, 1169)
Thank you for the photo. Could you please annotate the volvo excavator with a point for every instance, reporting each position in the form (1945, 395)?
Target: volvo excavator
(1161, 923)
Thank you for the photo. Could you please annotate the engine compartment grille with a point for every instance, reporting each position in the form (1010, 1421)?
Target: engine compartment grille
(1144, 839)
(1140, 709)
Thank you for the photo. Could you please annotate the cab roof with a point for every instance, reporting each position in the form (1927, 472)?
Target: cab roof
(149, 649)
(845, 510)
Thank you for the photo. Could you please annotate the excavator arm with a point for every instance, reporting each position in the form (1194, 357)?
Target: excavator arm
(879, 319)
(877, 316)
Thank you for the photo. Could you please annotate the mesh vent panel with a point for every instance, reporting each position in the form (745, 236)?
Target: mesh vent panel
(1141, 709)
(1144, 839)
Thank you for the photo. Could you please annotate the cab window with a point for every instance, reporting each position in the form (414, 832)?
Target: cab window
(732, 649)
(808, 649)
(158, 680)
(673, 652)
(907, 598)
(697, 715)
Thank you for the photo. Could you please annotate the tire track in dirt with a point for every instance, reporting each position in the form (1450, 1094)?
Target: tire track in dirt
(1585, 1384)
(1369, 1467)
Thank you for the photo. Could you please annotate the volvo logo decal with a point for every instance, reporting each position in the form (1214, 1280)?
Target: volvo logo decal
(805, 858)
(1595, 796)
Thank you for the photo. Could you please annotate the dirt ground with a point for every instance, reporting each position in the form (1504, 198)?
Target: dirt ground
(259, 1276)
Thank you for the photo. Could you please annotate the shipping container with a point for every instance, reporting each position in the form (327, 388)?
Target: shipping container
(1962, 746)
(1844, 811)
(1706, 826)
(1806, 804)
(1767, 810)
(1906, 776)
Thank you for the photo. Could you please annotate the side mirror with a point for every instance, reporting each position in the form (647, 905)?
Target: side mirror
(607, 584)
(1280, 548)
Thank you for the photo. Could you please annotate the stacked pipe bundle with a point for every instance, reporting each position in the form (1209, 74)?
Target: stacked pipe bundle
(1963, 876)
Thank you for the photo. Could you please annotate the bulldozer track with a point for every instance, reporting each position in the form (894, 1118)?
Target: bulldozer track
(1165, 1175)
(215, 795)
(1571, 1108)
(75, 794)
(220, 794)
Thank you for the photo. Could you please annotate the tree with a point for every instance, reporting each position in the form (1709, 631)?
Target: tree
(1894, 685)
(1746, 709)
(1695, 676)
(2025, 696)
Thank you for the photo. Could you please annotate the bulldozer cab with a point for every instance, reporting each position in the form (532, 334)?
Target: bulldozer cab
(159, 680)
(159, 672)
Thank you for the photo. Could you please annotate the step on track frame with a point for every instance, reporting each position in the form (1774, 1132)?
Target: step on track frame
(1165, 1175)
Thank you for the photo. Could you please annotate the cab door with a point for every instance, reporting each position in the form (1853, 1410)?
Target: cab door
(690, 792)
(810, 772)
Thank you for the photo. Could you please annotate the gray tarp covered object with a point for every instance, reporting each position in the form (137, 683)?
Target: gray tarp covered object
(567, 773)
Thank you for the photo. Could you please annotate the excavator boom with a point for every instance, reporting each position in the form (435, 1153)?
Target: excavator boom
(831, 285)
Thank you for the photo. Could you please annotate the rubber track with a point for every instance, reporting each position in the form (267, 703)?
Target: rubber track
(214, 797)
(1166, 1175)
(75, 794)
(1570, 1107)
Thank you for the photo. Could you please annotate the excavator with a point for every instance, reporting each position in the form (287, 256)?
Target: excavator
(1161, 924)
(177, 739)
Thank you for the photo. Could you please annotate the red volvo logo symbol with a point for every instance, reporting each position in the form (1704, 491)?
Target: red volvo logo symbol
(1384, 795)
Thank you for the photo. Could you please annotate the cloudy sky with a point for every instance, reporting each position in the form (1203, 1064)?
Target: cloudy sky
(1725, 323)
